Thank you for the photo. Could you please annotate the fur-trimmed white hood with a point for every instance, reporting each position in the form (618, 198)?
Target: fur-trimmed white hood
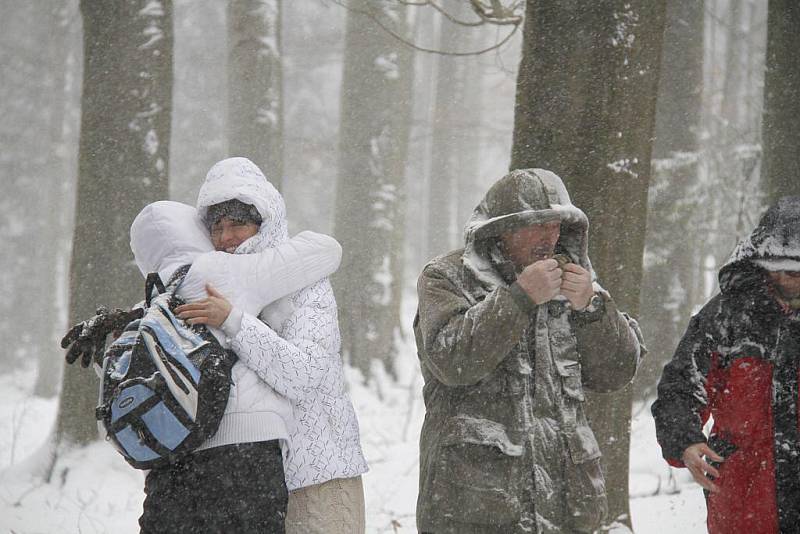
(239, 178)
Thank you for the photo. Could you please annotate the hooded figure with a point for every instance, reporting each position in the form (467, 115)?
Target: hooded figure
(505, 446)
(165, 236)
(299, 357)
(738, 362)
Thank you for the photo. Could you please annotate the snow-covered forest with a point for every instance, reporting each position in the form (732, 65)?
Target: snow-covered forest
(382, 122)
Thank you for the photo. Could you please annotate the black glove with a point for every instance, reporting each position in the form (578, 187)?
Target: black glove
(87, 339)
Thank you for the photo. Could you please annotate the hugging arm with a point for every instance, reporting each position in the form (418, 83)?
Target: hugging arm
(252, 281)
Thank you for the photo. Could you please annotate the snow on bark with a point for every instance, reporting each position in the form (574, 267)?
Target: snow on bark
(124, 147)
(153, 31)
(625, 165)
(387, 64)
(371, 187)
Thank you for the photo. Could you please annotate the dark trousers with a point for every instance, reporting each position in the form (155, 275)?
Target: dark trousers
(234, 489)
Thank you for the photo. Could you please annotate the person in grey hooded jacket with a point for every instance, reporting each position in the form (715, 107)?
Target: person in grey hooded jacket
(509, 330)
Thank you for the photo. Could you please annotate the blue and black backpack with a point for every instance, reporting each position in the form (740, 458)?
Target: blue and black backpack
(164, 384)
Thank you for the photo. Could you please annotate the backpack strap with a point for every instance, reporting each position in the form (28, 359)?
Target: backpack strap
(177, 277)
(153, 282)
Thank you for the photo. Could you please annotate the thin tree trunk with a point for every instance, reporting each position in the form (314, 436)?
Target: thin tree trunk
(370, 197)
(586, 95)
(470, 185)
(426, 29)
(199, 136)
(124, 151)
(453, 164)
(444, 150)
(732, 87)
(23, 123)
(62, 44)
(255, 84)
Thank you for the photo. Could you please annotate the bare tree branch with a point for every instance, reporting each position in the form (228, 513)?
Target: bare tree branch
(421, 3)
(497, 13)
(489, 15)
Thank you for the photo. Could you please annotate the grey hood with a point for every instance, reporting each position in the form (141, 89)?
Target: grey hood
(773, 245)
(522, 198)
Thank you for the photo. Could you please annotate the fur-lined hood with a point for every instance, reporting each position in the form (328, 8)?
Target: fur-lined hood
(522, 198)
(239, 178)
(774, 245)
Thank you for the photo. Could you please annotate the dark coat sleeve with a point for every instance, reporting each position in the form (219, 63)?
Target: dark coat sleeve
(461, 342)
(610, 348)
(681, 408)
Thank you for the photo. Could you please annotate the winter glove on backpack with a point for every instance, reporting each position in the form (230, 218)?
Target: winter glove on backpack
(87, 339)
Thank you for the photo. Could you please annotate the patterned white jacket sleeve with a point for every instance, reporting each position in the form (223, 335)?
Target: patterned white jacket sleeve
(301, 357)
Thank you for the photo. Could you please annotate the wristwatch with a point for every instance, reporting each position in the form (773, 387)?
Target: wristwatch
(593, 312)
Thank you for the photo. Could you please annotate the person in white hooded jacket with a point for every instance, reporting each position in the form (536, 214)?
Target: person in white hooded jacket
(299, 356)
(235, 481)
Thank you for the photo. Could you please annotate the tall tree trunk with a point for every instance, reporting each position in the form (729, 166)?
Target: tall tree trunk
(124, 151)
(33, 49)
(199, 136)
(781, 133)
(471, 184)
(418, 170)
(25, 212)
(61, 45)
(370, 197)
(667, 299)
(586, 95)
(732, 87)
(255, 84)
(448, 103)
(731, 143)
(451, 166)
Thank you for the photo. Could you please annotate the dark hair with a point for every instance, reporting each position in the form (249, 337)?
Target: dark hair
(233, 209)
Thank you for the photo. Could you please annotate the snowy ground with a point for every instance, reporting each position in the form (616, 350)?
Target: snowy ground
(93, 490)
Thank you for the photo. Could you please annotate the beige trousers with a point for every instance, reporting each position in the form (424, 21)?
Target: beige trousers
(333, 507)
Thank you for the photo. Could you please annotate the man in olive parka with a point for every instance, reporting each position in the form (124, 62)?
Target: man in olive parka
(507, 338)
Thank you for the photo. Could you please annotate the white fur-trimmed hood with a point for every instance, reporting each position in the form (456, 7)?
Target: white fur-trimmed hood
(239, 178)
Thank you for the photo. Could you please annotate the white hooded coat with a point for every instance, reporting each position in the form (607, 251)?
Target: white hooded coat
(166, 235)
(299, 355)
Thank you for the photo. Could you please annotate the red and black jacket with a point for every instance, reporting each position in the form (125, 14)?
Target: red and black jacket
(738, 363)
